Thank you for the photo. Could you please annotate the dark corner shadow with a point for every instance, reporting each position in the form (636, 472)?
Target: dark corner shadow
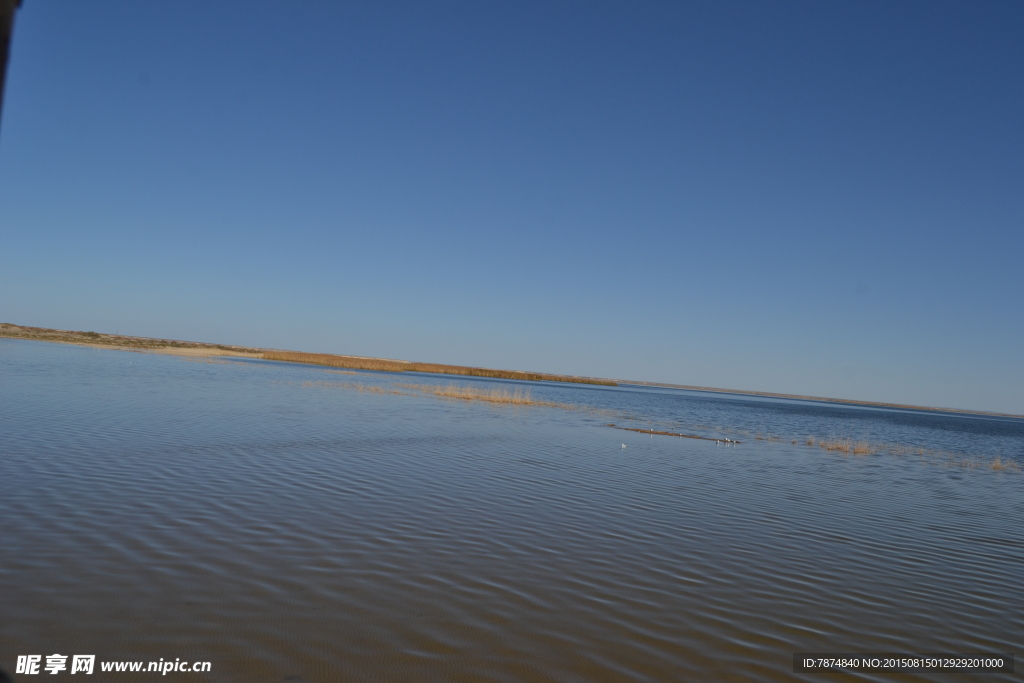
(7, 8)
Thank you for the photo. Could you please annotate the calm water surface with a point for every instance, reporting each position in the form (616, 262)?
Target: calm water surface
(289, 523)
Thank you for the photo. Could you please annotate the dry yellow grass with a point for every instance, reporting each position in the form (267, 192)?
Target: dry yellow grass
(841, 445)
(384, 365)
(119, 342)
(353, 362)
(517, 396)
(1005, 465)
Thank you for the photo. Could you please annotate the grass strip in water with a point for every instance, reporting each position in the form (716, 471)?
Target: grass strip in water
(518, 396)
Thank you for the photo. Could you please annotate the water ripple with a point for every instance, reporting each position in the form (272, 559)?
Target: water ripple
(283, 531)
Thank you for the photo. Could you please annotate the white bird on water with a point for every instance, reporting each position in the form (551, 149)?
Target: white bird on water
(623, 446)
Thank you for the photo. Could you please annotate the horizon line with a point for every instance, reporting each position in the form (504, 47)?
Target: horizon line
(113, 340)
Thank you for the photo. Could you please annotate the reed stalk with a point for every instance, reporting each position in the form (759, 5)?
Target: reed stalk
(384, 365)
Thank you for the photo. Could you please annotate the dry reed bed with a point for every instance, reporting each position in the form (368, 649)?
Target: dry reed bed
(384, 365)
(517, 396)
(844, 445)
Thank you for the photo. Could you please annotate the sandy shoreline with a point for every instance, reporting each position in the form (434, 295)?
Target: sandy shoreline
(169, 350)
(186, 348)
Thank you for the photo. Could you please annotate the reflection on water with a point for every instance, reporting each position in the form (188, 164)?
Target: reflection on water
(255, 516)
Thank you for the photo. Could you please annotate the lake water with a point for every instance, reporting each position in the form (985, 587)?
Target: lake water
(293, 523)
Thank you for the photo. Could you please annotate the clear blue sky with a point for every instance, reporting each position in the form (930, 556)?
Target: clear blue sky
(816, 198)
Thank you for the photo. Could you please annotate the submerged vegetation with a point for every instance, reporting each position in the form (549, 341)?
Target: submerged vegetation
(844, 446)
(945, 458)
(847, 446)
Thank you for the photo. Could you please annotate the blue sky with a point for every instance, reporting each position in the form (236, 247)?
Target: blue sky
(814, 198)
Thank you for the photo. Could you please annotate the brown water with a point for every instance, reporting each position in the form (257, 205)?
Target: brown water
(256, 516)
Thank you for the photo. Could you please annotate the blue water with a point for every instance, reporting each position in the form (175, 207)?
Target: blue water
(289, 522)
